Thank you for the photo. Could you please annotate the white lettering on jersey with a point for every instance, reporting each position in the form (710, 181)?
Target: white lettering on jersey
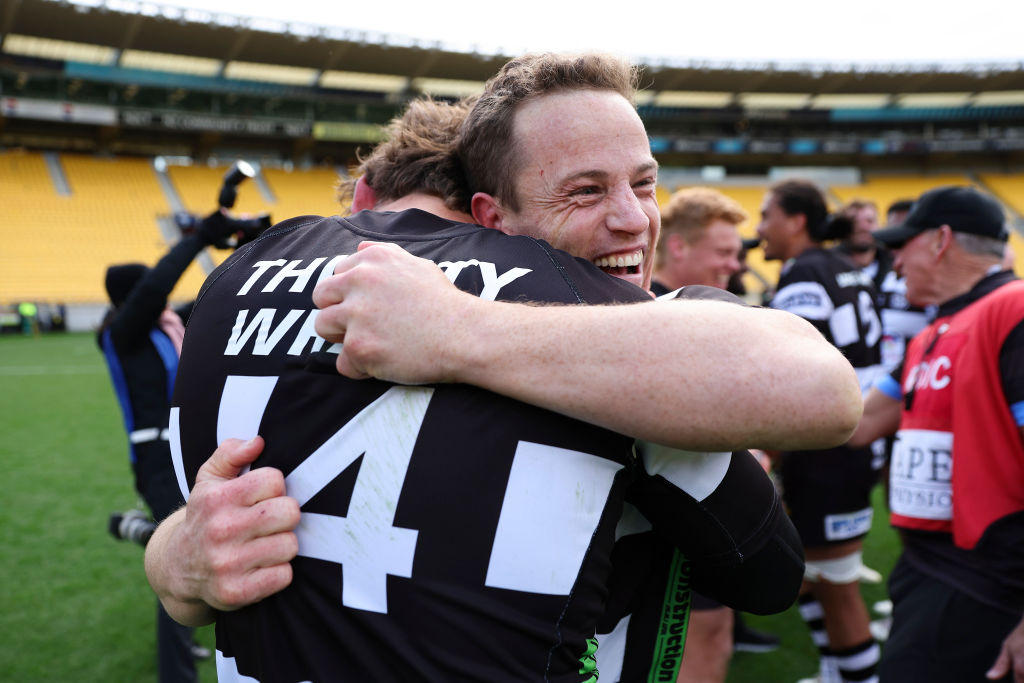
(292, 270)
(260, 267)
(553, 502)
(841, 526)
(174, 440)
(933, 374)
(242, 403)
(921, 474)
(261, 323)
(809, 300)
(302, 274)
(853, 278)
(845, 324)
(492, 281)
(365, 542)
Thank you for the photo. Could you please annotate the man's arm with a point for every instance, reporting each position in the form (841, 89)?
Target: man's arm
(881, 418)
(702, 375)
(231, 544)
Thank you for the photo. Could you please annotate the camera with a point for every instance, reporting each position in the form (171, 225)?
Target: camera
(239, 171)
(133, 525)
(228, 232)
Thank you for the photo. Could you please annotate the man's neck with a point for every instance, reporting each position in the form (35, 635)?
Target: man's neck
(424, 202)
(961, 275)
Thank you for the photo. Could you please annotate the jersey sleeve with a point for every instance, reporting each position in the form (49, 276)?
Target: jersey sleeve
(747, 556)
(891, 384)
(802, 293)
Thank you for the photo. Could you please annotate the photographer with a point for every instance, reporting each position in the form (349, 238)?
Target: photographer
(140, 337)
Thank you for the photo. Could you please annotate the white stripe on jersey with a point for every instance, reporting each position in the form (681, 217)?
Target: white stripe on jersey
(809, 300)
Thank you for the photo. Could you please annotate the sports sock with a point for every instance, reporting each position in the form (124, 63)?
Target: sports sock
(814, 617)
(859, 664)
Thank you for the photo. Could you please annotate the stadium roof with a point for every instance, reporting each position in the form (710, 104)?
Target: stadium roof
(126, 25)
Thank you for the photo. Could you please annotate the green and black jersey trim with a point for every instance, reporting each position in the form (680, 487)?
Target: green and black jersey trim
(675, 617)
(588, 661)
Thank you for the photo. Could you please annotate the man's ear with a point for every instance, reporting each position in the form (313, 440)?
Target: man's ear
(943, 241)
(675, 245)
(487, 211)
(364, 197)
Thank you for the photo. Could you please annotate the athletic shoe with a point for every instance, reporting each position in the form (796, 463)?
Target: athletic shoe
(882, 608)
(880, 628)
(869, 575)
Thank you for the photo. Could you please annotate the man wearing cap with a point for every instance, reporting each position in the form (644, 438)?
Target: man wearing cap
(958, 588)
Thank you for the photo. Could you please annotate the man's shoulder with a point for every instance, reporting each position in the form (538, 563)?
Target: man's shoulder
(1006, 300)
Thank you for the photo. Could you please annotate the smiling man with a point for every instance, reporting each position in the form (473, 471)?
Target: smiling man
(484, 489)
(700, 242)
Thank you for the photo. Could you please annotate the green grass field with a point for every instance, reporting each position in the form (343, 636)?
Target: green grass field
(75, 604)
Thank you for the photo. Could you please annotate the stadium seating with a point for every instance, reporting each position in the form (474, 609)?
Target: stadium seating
(57, 248)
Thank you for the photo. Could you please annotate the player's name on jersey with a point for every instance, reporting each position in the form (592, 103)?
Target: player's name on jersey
(269, 328)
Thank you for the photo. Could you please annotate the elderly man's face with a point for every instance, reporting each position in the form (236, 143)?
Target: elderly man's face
(586, 181)
(915, 261)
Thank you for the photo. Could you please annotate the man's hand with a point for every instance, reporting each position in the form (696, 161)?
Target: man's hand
(231, 545)
(397, 315)
(1011, 657)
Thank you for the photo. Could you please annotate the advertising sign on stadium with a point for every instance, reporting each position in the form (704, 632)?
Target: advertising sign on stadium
(347, 132)
(207, 122)
(49, 110)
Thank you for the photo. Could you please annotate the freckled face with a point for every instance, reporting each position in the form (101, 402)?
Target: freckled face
(586, 181)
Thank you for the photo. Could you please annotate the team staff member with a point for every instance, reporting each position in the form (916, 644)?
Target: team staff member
(957, 473)
(827, 491)
(140, 337)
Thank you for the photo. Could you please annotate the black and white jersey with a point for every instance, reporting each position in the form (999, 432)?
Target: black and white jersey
(828, 290)
(683, 526)
(901, 320)
(447, 533)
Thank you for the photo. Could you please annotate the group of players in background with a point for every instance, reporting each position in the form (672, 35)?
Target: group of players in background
(390, 532)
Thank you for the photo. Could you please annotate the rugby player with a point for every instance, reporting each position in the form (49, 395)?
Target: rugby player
(615, 211)
(827, 491)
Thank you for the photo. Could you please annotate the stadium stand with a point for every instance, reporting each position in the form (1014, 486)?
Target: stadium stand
(96, 93)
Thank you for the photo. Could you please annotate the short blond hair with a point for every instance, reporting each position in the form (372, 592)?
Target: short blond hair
(690, 211)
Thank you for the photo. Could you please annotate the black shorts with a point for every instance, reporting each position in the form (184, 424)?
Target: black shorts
(828, 493)
(939, 634)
